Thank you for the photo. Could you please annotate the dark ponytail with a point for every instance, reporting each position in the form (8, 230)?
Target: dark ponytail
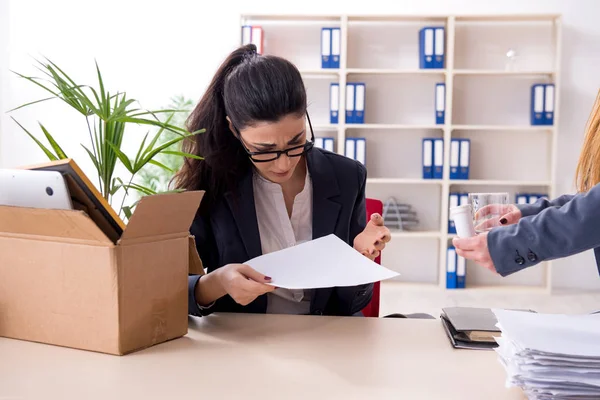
(247, 88)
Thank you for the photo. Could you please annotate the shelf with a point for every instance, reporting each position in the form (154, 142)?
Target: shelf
(534, 128)
(392, 126)
(415, 234)
(404, 181)
(326, 73)
(500, 72)
(377, 71)
(481, 182)
(303, 19)
(325, 127)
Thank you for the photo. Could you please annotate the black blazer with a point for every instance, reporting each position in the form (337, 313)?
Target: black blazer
(230, 234)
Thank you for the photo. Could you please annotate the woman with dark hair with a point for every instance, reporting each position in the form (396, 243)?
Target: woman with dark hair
(267, 188)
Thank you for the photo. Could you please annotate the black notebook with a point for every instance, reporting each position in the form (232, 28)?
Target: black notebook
(470, 328)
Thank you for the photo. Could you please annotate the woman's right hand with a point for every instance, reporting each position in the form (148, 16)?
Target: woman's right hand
(510, 215)
(243, 283)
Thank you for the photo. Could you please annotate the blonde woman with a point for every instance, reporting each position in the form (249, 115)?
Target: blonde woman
(548, 229)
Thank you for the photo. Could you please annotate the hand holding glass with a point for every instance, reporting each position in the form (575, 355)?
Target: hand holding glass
(488, 209)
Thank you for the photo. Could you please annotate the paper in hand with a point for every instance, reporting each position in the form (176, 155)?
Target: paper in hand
(320, 263)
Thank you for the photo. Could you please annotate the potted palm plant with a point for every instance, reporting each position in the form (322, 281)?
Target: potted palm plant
(107, 116)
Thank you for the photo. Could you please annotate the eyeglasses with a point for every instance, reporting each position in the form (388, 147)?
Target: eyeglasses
(266, 156)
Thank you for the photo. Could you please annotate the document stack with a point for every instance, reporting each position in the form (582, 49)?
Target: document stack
(253, 34)
(542, 104)
(330, 47)
(550, 356)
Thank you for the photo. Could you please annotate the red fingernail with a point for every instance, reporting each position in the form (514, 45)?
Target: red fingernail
(267, 278)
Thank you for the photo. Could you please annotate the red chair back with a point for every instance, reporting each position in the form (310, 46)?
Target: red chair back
(372, 309)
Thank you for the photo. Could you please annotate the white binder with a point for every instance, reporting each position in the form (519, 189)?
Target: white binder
(319, 143)
(328, 144)
(350, 150)
(361, 150)
(350, 103)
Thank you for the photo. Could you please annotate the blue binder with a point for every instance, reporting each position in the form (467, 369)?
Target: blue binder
(463, 199)
(465, 158)
(350, 149)
(246, 34)
(426, 48)
(350, 113)
(360, 146)
(461, 272)
(521, 198)
(537, 104)
(453, 202)
(336, 44)
(438, 158)
(455, 159)
(326, 48)
(359, 103)
(451, 266)
(549, 104)
(427, 158)
(439, 42)
(328, 144)
(440, 103)
(334, 103)
(319, 142)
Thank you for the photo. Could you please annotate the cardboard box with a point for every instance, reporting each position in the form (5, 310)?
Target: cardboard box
(65, 282)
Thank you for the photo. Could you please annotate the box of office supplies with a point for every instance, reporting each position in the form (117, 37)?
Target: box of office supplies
(80, 278)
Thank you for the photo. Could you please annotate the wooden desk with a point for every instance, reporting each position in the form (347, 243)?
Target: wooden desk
(264, 357)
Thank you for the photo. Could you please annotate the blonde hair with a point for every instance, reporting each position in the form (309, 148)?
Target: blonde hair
(588, 168)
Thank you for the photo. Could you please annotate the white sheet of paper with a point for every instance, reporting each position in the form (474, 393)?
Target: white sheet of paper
(324, 262)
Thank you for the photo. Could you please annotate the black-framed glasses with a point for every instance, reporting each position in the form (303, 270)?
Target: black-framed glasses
(266, 156)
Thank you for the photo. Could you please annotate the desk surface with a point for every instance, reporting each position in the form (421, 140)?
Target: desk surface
(268, 357)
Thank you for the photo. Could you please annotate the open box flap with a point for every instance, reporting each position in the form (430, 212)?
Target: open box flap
(163, 214)
(63, 225)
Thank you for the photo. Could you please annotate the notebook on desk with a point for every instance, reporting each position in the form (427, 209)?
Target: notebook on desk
(470, 328)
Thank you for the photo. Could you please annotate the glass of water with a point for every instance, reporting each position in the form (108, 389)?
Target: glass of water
(488, 209)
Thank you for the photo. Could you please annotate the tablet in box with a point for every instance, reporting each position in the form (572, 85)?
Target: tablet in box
(66, 280)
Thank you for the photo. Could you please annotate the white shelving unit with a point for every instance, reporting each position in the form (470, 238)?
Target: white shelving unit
(486, 101)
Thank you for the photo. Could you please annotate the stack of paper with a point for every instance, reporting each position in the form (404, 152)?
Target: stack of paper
(551, 356)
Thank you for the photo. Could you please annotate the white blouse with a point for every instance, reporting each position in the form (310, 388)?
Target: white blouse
(278, 231)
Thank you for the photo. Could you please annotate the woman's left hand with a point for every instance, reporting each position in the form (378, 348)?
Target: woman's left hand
(475, 249)
(373, 238)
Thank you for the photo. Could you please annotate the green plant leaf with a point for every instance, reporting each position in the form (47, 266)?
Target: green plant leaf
(93, 158)
(158, 164)
(123, 157)
(31, 103)
(57, 149)
(141, 189)
(46, 151)
(182, 154)
(127, 212)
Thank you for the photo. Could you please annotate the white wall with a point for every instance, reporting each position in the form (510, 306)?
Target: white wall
(156, 50)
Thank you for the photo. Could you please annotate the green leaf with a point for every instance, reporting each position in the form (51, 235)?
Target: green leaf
(57, 149)
(182, 154)
(154, 162)
(123, 157)
(48, 153)
(141, 189)
(33, 102)
(141, 149)
(127, 212)
(93, 158)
